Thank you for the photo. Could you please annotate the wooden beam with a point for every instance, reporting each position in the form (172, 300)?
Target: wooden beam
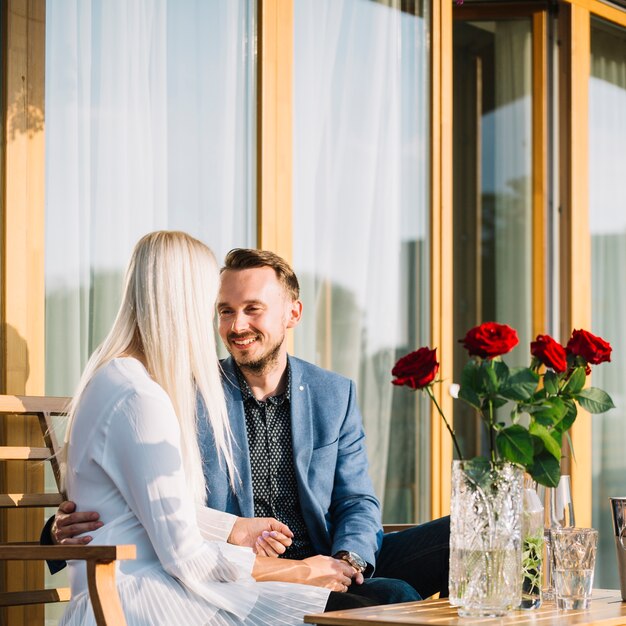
(575, 242)
(601, 9)
(274, 126)
(540, 170)
(441, 235)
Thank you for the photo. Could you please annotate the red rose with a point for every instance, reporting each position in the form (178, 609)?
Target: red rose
(592, 349)
(417, 369)
(490, 340)
(549, 352)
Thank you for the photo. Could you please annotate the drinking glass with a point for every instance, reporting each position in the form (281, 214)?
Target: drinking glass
(574, 558)
(560, 515)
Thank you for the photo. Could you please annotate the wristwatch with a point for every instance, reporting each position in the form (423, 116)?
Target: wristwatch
(352, 558)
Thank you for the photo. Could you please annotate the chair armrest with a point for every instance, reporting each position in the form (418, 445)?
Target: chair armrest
(392, 528)
(100, 561)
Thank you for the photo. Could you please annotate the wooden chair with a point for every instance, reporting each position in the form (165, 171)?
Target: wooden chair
(100, 560)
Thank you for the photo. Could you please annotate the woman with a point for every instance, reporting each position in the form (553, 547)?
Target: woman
(131, 453)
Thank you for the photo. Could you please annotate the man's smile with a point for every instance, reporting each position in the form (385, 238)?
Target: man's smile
(243, 342)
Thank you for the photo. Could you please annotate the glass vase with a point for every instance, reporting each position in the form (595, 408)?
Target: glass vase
(485, 537)
(532, 543)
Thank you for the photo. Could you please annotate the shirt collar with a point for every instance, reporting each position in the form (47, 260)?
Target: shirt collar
(247, 394)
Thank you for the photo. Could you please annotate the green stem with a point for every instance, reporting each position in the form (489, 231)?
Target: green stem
(492, 446)
(491, 433)
(445, 421)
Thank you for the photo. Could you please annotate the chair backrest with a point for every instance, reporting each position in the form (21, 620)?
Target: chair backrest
(100, 559)
(25, 458)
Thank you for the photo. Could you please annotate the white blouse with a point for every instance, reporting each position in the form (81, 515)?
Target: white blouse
(124, 461)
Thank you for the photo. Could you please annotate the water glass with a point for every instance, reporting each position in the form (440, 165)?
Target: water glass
(573, 559)
(560, 514)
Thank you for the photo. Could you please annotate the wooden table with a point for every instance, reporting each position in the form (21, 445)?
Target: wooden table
(607, 609)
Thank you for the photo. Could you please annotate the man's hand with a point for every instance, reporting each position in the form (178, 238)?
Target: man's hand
(333, 574)
(68, 523)
(265, 535)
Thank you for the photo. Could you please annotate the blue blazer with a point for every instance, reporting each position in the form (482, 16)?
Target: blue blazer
(336, 494)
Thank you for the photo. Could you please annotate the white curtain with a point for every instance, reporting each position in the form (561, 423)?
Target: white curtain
(607, 220)
(360, 208)
(149, 125)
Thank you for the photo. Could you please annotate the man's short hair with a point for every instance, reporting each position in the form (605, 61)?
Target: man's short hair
(248, 258)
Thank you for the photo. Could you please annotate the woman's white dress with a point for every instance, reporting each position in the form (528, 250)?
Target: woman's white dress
(124, 461)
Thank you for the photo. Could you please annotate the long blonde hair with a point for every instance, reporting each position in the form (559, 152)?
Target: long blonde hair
(166, 314)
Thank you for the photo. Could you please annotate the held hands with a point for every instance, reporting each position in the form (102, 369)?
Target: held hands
(68, 523)
(265, 535)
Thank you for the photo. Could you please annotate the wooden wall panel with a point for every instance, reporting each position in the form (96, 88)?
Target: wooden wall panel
(23, 264)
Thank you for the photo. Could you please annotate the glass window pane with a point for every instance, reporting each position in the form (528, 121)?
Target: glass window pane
(150, 111)
(361, 172)
(492, 190)
(607, 222)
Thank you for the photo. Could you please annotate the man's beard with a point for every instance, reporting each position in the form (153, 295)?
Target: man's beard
(263, 364)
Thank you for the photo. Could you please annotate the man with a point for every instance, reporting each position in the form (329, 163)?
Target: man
(300, 452)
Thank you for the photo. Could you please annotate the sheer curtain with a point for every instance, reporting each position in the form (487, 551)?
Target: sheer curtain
(607, 219)
(360, 219)
(149, 125)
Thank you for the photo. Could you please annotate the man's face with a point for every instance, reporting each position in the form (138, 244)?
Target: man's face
(254, 312)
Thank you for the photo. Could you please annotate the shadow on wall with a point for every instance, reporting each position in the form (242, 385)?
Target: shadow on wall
(24, 118)
(16, 370)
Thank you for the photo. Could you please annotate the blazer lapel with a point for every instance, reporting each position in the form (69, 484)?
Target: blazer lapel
(301, 424)
(241, 454)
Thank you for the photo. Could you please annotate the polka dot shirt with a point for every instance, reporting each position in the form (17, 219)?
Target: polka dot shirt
(274, 485)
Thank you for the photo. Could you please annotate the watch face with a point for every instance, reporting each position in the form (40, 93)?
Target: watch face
(356, 561)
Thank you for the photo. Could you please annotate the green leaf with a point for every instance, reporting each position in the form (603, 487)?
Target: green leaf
(550, 412)
(548, 441)
(515, 445)
(489, 378)
(595, 400)
(545, 469)
(567, 418)
(576, 381)
(521, 384)
(470, 376)
(551, 383)
(467, 394)
(498, 402)
(502, 372)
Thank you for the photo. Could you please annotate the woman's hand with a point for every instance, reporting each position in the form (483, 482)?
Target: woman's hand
(265, 535)
(319, 571)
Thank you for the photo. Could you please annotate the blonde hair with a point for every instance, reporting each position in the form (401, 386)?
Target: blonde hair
(166, 314)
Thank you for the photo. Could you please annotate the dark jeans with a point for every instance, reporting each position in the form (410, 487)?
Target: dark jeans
(372, 592)
(419, 555)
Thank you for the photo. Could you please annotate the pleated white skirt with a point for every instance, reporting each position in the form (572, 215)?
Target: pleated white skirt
(155, 598)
